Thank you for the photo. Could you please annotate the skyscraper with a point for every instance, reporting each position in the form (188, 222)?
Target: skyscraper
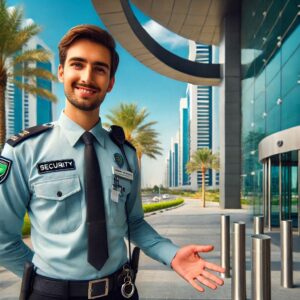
(183, 141)
(200, 112)
(173, 163)
(198, 125)
(23, 109)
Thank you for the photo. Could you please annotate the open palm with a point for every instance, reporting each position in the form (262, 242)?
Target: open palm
(194, 269)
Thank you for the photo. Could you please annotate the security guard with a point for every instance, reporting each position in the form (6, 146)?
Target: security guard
(81, 189)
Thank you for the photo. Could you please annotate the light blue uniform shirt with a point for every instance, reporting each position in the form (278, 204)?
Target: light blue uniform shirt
(56, 205)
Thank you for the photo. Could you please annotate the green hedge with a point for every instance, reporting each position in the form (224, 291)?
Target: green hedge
(26, 226)
(148, 207)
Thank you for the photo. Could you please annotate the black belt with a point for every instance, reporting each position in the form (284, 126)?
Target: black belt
(91, 289)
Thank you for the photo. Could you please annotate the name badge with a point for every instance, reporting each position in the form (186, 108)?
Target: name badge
(122, 173)
(114, 195)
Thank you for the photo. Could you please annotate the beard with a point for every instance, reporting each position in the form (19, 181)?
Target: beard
(86, 105)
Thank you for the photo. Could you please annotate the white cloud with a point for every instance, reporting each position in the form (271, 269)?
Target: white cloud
(25, 22)
(11, 9)
(28, 22)
(164, 36)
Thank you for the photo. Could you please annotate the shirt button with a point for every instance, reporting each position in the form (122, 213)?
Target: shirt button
(59, 194)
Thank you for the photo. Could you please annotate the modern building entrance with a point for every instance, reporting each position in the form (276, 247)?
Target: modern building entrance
(280, 156)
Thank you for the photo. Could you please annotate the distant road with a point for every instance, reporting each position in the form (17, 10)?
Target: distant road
(148, 198)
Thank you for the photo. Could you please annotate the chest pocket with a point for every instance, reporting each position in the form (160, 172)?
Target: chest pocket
(117, 205)
(57, 204)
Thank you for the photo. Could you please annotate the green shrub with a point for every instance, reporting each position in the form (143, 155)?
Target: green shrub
(26, 226)
(148, 207)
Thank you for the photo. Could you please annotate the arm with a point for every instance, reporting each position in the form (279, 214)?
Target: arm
(14, 198)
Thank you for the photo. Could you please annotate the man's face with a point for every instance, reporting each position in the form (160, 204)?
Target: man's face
(86, 74)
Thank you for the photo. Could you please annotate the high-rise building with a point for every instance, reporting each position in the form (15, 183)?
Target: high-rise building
(23, 109)
(175, 160)
(200, 112)
(198, 124)
(183, 142)
(170, 168)
(173, 163)
(215, 120)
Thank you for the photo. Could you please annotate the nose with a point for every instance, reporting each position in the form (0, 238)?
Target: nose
(87, 75)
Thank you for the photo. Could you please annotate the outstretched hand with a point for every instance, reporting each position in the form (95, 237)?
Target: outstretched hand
(194, 269)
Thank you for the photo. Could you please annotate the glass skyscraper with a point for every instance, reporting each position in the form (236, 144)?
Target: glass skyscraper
(200, 112)
(183, 141)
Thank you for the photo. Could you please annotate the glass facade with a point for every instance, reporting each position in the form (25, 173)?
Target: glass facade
(270, 102)
(185, 146)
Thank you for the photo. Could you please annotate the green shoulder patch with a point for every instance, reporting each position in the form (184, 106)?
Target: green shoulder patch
(27, 133)
(5, 165)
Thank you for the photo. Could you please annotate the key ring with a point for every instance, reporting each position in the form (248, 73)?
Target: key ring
(127, 293)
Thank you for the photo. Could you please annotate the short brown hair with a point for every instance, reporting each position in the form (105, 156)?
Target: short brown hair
(94, 34)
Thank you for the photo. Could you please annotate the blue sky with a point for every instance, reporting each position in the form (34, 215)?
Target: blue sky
(134, 82)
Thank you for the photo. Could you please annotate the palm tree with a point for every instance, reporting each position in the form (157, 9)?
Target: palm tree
(202, 160)
(15, 62)
(142, 135)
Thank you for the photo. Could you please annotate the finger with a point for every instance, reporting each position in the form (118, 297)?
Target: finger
(213, 267)
(203, 248)
(213, 277)
(206, 282)
(196, 286)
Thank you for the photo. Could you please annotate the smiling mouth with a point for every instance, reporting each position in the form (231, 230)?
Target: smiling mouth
(86, 90)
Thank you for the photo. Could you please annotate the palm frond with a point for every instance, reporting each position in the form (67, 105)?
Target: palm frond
(32, 89)
(32, 55)
(21, 38)
(142, 135)
(202, 159)
(35, 72)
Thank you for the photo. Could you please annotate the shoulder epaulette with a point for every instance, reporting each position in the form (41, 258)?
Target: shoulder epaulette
(118, 136)
(130, 145)
(27, 133)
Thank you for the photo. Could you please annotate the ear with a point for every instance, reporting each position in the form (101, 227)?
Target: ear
(60, 73)
(111, 84)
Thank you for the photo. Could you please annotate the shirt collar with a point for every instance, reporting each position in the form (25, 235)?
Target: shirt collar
(73, 131)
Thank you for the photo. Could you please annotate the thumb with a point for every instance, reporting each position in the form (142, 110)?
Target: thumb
(203, 248)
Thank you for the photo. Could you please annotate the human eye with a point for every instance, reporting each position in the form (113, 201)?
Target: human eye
(76, 65)
(100, 70)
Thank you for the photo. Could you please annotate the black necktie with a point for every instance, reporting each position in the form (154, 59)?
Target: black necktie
(96, 223)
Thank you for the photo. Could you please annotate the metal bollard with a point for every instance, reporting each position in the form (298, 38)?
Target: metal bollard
(286, 241)
(225, 245)
(261, 267)
(258, 225)
(238, 283)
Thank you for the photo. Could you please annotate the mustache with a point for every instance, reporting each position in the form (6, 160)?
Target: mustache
(89, 86)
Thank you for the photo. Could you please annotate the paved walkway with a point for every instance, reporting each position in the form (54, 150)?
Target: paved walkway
(184, 225)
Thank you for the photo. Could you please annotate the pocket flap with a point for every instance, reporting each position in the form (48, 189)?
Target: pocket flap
(57, 189)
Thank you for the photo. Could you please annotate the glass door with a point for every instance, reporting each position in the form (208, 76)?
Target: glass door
(289, 187)
(275, 190)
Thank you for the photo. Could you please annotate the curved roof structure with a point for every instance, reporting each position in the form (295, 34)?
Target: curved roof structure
(199, 20)
(196, 20)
